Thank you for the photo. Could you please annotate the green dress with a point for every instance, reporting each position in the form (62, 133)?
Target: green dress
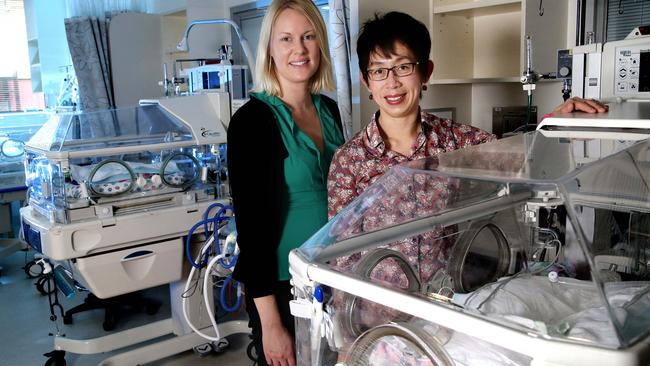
(305, 172)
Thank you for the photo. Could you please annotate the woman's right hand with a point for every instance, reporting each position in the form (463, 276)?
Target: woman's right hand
(278, 346)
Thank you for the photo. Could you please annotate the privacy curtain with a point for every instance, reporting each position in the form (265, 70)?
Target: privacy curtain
(87, 32)
(89, 49)
(340, 49)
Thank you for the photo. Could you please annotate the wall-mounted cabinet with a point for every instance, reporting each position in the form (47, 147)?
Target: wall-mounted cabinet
(482, 40)
(474, 41)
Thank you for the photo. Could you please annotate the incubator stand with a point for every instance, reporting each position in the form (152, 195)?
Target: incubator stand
(531, 250)
(112, 195)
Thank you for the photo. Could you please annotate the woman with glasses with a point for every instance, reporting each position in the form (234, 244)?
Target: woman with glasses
(393, 52)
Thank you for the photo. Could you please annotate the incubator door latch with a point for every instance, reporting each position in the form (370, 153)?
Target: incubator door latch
(104, 211)
(189, 198)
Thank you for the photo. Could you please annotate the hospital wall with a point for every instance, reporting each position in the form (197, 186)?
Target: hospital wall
(473, 102)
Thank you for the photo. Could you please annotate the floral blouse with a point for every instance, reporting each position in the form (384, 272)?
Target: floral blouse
(365, 158)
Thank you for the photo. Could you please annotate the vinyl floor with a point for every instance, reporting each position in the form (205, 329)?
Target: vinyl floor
(26, 328)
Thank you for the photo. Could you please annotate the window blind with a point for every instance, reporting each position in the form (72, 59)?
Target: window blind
(625, 15)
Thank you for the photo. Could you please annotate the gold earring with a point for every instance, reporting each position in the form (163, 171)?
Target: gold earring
(424, 87)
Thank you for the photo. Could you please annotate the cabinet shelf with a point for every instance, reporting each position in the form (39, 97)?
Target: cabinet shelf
(476, 40)
(477, 7)
(482, 40)
(507, 79)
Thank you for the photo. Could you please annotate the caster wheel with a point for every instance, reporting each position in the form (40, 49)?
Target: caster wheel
(55, 358)
(220, 345)
(203, 350)
(43, 286)
(33, 269)
(251, 352)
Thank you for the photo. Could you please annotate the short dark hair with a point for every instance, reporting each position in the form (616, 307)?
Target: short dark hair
(381, 32)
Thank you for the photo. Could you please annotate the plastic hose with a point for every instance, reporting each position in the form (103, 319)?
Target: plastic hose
(222, 295)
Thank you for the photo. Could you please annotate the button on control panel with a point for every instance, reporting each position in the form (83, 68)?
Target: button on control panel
(628, 71)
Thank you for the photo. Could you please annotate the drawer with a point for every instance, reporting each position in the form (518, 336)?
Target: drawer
(128, 270)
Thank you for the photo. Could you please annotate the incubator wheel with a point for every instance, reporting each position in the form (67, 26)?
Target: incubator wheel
(251, 352)
(43, 286)
(55, 358)
(220, 345)
(203, 350)
(33, 269)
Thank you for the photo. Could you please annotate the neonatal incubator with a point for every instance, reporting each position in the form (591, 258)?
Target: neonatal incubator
(114, 191)
(115, 197)
(15, 130)
(530, 250)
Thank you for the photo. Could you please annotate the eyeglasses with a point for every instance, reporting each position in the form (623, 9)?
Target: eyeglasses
(400, 70)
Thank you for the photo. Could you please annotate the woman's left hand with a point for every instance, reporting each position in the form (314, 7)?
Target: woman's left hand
(575, 104)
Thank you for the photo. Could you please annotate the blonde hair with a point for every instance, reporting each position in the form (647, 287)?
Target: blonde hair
(265, 73)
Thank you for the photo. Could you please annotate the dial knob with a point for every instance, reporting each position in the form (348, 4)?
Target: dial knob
(564, 71)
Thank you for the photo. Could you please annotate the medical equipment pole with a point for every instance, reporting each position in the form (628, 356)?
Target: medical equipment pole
(528, 79)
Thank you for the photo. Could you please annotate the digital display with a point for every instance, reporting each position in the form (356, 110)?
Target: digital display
(644, 71)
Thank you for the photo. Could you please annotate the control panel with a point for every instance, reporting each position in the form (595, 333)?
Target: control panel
(626, 67)
(629, 79)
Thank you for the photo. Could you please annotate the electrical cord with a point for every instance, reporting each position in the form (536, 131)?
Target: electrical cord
(206, 277)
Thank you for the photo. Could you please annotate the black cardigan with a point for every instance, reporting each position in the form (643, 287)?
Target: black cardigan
(256, 156)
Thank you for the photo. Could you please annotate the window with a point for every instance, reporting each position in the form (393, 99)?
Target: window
(37, 64)
(624, 15)
(16, 92)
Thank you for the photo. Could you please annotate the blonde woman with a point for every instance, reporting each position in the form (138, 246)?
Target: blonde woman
(280, 145)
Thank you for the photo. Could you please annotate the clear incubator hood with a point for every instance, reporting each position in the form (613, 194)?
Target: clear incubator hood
(15, 130)
(533, 249)
(80, 161)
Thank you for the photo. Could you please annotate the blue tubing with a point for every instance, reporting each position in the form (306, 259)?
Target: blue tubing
(188, 245)
(222, 296)
(230, 264)
(206, 214)
(216, 220)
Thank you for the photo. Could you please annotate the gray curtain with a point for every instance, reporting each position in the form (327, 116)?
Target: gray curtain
(89, 48)
(341, 54)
